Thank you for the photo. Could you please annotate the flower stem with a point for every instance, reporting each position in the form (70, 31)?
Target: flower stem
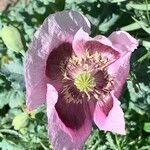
(118, 143)
(22, 52)
(44, 147)
(11, 132)
(147, 11)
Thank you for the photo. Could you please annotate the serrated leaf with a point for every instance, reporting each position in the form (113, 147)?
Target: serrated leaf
(11, 97)
(4, 99)
(111, 141)
(14, 73)
(136, 108)
(9, 145)
(139, 99)
(16, 99)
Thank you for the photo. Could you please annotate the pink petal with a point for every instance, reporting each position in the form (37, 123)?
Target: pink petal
(56, 29)
(114, 121)
(82, 42)
(123, 41)
(61, 135)
(119, 71)
(79, 42)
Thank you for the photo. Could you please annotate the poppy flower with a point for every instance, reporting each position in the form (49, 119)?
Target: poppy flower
(80, 78)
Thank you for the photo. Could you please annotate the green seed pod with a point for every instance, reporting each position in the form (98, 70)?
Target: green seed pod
(20, 121)
(12, 39)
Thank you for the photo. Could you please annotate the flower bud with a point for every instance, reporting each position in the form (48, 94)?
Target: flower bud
(20, 121)
(12, 39)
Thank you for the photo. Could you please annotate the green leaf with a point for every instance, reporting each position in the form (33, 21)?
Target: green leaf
(108, 23)
(16, 99)
(111, 141)
(9, 145)
(146, 44)
(4, 99)
(117, 1)
(133, 26)
(139, 6)
(146, 56)
(14, 73)
(11, 97)
(147, 127)
(139, 100)
(145, 28)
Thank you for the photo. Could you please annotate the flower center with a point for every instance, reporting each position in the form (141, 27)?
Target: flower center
(86, 78)
(85, 82)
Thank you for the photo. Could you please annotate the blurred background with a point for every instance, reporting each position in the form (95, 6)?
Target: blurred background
(19, 19)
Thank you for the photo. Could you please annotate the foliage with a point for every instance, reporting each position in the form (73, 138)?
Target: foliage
(20, 129)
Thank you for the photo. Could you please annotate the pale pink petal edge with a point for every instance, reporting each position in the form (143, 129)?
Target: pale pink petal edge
(114, 122)
(124, 41)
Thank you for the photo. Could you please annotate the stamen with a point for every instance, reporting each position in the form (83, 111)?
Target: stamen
(86, 78)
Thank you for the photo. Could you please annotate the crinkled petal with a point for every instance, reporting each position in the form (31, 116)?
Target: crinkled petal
(83, 42)
(114, 121)
(123, 41)
(56, 29)
(119, 70)
(60, 133)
